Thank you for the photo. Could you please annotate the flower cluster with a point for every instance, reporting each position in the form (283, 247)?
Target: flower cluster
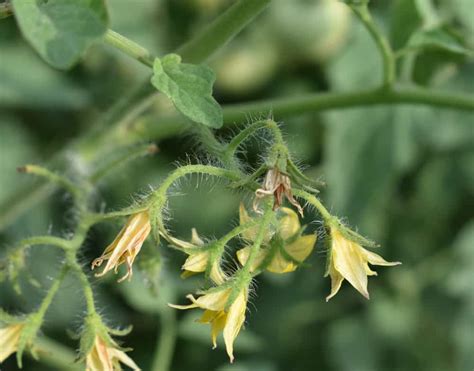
(278, 245)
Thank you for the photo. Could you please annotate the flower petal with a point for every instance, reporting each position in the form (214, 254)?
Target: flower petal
(289, 224)
(376, 259)
(196, 262)
(348, 261)
(124, 358)
(215, 301)
(302, 247)
(235, 320)
(336, 282)
(243, 256)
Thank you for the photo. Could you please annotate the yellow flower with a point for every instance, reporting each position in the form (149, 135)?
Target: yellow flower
(229, 320)
(106, 356)
(277, 184)
(9, 337)
(198, 258)
(126, 245)
(284, 257)
(350, 261)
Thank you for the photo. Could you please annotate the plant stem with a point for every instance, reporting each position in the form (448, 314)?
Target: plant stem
(313, 200)
(316, 102)
(52, 292)
(223, 29)
(389, 66)
(266, 219)
(56, 355)
(45, 240)
(53, 178)
(167, 340)
(129, 47)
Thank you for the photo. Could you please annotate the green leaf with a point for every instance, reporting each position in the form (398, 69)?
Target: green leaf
(404, 20)
(439, 38)
(61, 30)
(189, 86)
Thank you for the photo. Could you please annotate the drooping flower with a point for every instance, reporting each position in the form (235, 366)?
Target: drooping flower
(277, 184)
(126, 245)
(199, 258)
(288, 252)
(9, 338)
(349, 260)
(107, 356)
(221, 315)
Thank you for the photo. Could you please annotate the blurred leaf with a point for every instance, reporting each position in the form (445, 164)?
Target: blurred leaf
(463, 10)
(439, 38)
(369, 149)
(28, 82)
(405, 20)
(352, 346)
(189, 87)
(460, 280)
(141, 297)
(61, 30)
(249, 366)
(16, 148)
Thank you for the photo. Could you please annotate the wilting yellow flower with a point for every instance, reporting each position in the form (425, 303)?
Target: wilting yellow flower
(106, 356)
(126, 245)
(229, 320)
(284, 256)
(198, 258)
(9, 337)
(350, 261)
(279, 185)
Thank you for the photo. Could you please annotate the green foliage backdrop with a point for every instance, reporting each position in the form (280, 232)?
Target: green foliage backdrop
(403, 174)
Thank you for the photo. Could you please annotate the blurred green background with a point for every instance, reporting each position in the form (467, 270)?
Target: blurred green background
(402, 175)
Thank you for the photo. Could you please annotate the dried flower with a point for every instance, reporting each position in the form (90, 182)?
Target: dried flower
(9, 338)
(350, 261)
(220, 315)
(126, 245)
(107, 356)
(279, 185)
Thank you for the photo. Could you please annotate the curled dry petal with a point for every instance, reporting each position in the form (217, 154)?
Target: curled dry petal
(279, 185)
(107, 357)
(9, 337)
(126, 246)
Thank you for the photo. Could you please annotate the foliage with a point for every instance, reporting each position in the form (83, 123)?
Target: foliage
(401, 172)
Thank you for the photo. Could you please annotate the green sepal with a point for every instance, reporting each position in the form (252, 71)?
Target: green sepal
(28, 335)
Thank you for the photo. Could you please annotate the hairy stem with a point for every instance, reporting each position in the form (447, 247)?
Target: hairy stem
(53, 289)
(265, 221)
(129, 47)
(314, 201)
(45, 240)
